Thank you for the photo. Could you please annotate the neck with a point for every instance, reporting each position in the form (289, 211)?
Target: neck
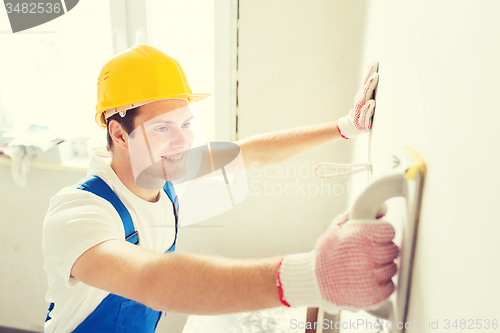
(123, 169)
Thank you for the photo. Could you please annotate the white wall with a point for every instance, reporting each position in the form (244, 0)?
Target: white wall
(438, 87)
(23, 282)
(298, 64)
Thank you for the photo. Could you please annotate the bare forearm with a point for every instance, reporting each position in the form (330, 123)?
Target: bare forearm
(275, 147)
(196, 284)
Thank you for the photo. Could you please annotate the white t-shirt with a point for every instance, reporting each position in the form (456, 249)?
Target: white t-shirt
(78, 220)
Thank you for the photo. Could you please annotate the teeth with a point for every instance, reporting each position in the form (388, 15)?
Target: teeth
(174, 158)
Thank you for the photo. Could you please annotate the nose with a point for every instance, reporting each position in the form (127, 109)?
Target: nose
(181, 139)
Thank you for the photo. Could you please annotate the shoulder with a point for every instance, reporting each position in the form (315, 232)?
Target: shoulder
(72, 197)
(72, 206)
(76, 221)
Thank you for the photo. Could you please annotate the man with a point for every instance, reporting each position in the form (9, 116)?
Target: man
(107, 268)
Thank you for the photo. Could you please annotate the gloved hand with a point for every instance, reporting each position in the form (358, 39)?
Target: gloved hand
(350, 268)
(359, 119)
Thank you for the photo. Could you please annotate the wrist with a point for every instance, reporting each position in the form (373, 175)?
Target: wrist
(347, 129)
(340, 132)
(280, 286)
(298, 282)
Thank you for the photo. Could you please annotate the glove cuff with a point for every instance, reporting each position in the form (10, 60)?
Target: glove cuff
(298, 280)
(347, 129)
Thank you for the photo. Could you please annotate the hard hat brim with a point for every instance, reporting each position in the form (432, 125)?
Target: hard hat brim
(103, 114)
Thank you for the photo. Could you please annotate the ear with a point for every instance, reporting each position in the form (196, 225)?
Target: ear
(118, 134)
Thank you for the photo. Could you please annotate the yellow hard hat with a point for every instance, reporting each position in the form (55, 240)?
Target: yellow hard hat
(139, 76)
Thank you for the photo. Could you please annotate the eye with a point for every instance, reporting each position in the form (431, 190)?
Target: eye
(186, 125)
(161, 129)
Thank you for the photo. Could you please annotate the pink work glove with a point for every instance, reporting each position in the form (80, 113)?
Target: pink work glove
(350, 268)
(359, 119)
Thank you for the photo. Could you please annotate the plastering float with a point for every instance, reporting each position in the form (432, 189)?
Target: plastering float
(406, 180)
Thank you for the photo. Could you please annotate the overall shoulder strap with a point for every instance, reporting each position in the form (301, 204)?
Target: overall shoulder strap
(170, 191)
(96, 185)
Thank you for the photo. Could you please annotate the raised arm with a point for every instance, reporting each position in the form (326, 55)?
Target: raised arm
(194, 284)
(176, 282)
(275, 147)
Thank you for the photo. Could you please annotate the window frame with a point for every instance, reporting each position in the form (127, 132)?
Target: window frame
(129, 24)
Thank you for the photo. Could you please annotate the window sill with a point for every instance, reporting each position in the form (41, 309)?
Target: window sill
(76, 164)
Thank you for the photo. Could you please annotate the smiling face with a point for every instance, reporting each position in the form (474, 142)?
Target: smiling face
(159, 144)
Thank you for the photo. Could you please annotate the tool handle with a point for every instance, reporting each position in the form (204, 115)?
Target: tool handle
(367, 206)
(368, 203)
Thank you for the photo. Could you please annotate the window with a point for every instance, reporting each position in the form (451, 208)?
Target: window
(201, 35)
(185, 31)
(48, 74)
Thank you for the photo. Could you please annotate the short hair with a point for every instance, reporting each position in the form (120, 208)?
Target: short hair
(126, 122)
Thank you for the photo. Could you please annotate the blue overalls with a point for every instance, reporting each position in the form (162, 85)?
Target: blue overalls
(115, 313)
